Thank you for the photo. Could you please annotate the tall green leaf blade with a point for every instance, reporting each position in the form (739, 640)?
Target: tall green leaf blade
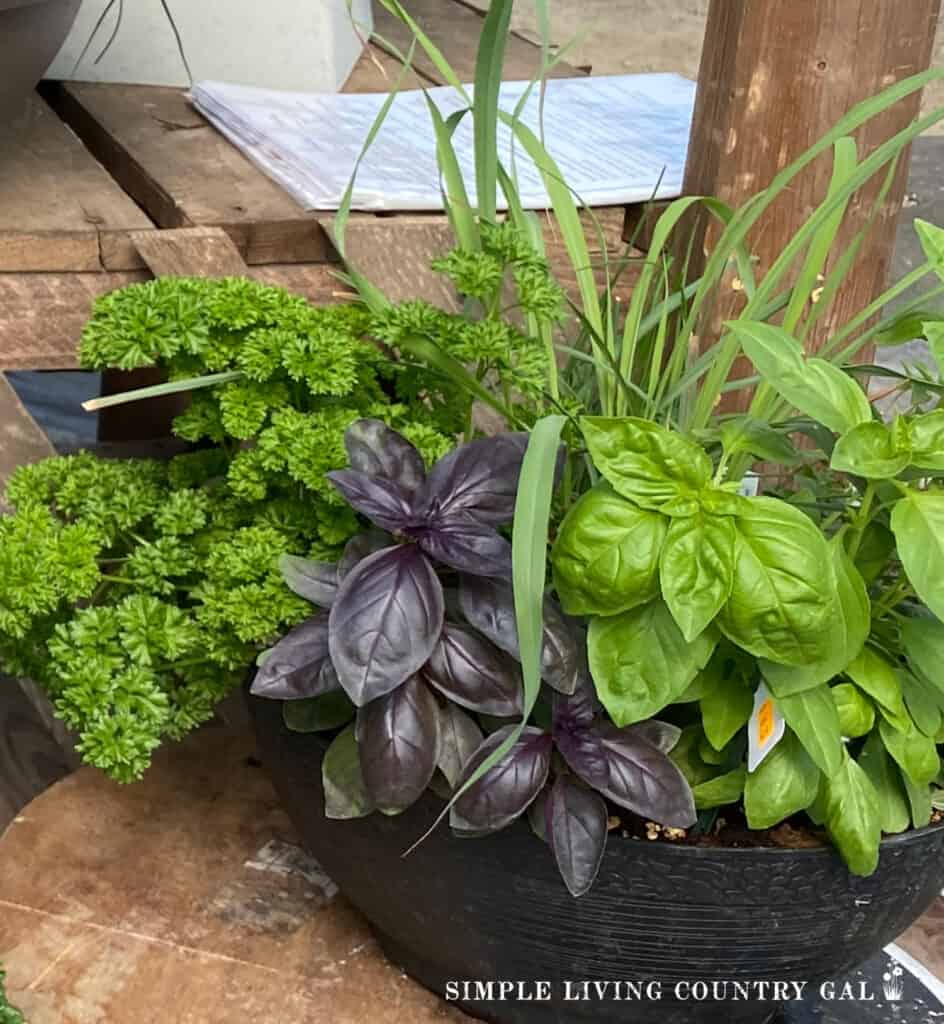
(455, 197)
(488, 75)
(844, 162)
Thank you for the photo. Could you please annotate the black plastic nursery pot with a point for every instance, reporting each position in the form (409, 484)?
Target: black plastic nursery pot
(672, 934)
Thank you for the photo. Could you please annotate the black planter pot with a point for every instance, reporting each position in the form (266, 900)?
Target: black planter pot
(495, 909)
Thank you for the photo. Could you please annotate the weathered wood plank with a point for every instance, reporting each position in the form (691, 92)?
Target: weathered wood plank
(21, 439)
(189, 252)
(455, 29)
(57, 203)
(377, 71)
(186, 897)
(184, 173)
(42, 315)
(761, 64)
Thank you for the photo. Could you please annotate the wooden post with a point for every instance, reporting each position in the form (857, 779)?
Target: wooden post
(775, 76)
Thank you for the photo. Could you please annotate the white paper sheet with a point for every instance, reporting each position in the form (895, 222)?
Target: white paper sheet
(617, 139)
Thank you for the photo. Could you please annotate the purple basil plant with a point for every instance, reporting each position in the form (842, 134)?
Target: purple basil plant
(419, 633)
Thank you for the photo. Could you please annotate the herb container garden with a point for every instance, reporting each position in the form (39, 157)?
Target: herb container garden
(457, 910)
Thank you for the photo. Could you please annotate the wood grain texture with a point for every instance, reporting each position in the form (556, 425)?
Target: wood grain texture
(774, 78)
(42, 315)
(189, 252)
(455, 29)
(21, 439)
(378, 71)
(184, 173)
(184, 898)
(58, 205)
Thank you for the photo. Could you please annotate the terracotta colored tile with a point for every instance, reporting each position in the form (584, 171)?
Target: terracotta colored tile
(185, 898)
(924, 940)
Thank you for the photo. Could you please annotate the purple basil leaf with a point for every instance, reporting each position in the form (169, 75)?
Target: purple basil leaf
(576, 825)
(464, 544)
(385, 622)
(578, 709)
(505, 790)
(474, 673)
(489, 605)
(383, 502)
(479, 478)
(359, 547)
(315, 581)
(537, 814)
(630, 772)
(292, 669)
(460, 737)
(662, 735)
(373, 448)
(398, 740)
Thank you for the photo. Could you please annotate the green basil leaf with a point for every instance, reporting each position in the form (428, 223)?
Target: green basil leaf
(906, 327)
(645, 462)
(813, 716)
(870, 450)
(743, 434)
(876, 676)
(815, 387)
(923, 641)
(876, 547)
(923, 702)
(856, 711)
(687, 759)
(893, 808)
(606, 556)
(934, 332)
(346, 794)
(920, 801)
(782, 602)
(318, 714)
(848, 632)
(915, 753)
(932, 242)
(725, 709)
(697, 569)
(785, 782)
(721, 790)
(918, 525)
(927, 439)
(852, 817)
(640, 661)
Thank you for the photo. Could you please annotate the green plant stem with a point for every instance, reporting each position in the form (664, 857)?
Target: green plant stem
(862, 519)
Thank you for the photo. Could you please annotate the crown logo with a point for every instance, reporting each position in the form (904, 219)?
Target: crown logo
(893, 983)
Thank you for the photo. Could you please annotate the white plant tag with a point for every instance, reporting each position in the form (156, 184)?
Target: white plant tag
(765, 729)
(750, 485)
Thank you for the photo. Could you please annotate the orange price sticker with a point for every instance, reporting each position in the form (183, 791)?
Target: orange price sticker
(765, 721)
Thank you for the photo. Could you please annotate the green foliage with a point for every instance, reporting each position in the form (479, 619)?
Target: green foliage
(139, 592)
(8, 1014)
